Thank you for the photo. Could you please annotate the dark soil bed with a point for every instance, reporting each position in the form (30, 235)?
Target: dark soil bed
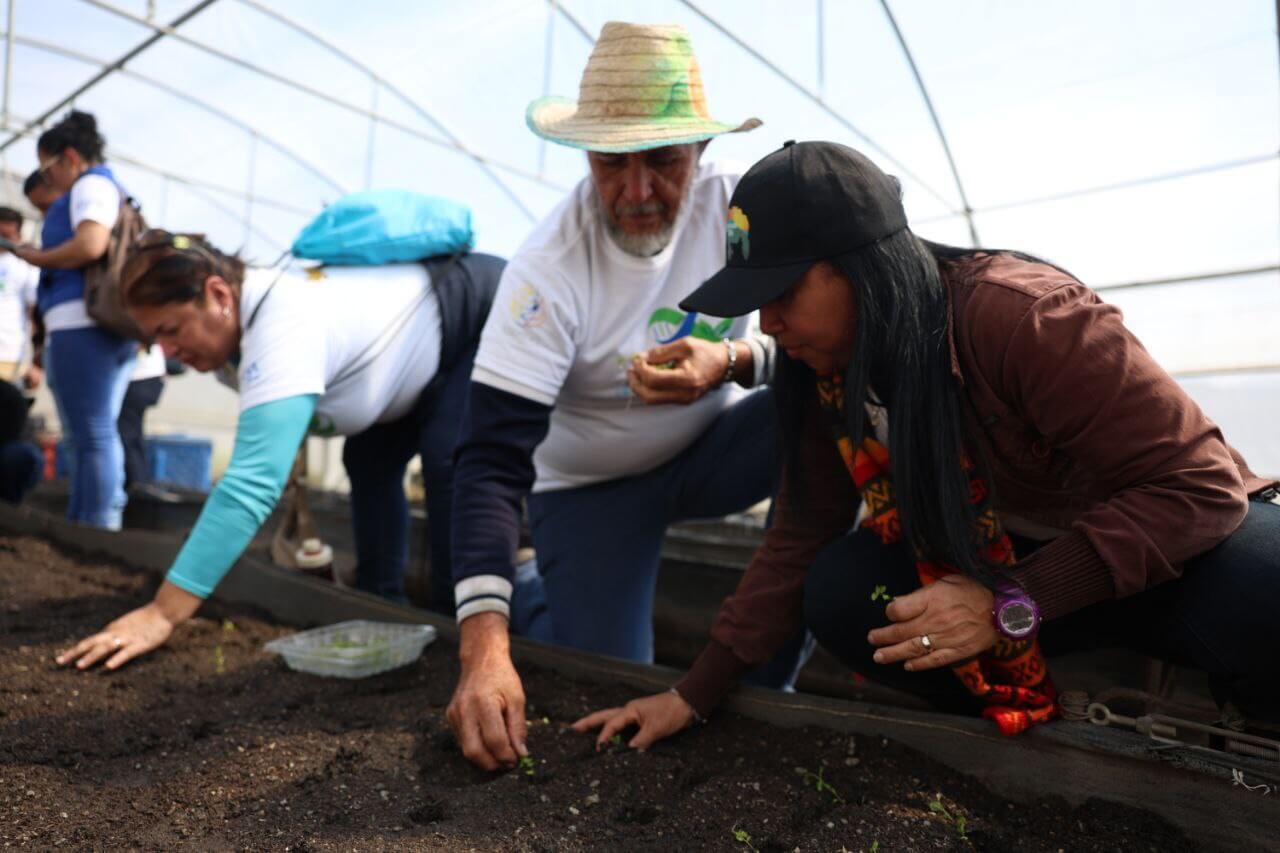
(212, 744)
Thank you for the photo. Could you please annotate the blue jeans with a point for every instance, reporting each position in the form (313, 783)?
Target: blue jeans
(598, 547)
(88, 371)
(1219, 616)
(376, 460)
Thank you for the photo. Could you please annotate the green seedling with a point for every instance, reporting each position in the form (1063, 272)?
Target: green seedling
(875, 846)
(526, 765)
(219, 660)
(957, 821)
(742, 837)
(228, 627)
(616, 740)
(819, 784)
(880, 594)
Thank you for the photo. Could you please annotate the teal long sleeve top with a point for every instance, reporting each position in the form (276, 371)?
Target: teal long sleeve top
(267, 438)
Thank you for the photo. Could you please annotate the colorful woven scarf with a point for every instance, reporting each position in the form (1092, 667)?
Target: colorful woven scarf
(1011, 678)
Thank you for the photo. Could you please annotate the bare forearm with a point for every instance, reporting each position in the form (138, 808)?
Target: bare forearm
(175, 603)
(482, 637)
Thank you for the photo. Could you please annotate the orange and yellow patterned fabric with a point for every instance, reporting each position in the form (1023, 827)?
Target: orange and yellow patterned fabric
(1012, 678)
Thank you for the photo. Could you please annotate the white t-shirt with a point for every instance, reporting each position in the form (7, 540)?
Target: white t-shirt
(18, 283)
(94, 198)
(366, 339)
(571, 310)
(149, 364)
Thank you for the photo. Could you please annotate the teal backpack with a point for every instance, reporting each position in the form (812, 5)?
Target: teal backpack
(385, 227)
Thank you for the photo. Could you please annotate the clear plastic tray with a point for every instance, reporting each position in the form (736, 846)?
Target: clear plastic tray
(353, 649)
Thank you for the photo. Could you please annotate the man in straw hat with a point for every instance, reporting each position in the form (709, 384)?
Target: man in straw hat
(636, 409)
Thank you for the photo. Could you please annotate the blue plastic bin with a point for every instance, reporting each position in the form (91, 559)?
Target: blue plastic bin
(180, 460)
(174, 460)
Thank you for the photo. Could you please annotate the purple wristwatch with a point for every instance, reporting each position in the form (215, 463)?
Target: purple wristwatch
(1016, 615)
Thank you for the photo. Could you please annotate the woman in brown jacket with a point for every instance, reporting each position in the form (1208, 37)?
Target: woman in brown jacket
(974, 447)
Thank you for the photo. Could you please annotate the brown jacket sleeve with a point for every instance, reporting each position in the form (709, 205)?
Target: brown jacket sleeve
(758, 618)
(1081, 379)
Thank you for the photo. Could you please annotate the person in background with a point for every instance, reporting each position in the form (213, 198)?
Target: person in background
(614, 412)
(21, 462)
(146, 383)
(41, 196)
(982, 466)
(87, 367)
(19, 282)
(39, 192)
(380, 354)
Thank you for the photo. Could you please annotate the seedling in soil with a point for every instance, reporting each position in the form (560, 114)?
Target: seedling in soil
(228, 627)
(616, 740)
(957, 821)
(219, 660)
(742, 837)
(880, 593)
(819, 784)
(526, 765)
(875, 846)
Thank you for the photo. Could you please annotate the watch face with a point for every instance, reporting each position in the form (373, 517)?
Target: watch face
(1017, 618)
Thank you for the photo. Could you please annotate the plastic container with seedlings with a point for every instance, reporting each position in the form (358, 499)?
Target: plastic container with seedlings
(353, 649)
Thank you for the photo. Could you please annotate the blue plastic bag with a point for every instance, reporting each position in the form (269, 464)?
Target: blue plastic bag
(385, 227)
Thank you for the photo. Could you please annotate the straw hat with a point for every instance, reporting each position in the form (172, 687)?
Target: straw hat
(641, 89)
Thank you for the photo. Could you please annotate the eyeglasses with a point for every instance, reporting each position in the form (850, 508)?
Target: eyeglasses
(44, 167)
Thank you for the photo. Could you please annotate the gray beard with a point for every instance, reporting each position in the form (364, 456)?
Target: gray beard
(640, 245)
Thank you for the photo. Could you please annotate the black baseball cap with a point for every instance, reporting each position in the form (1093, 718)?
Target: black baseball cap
(805, 202)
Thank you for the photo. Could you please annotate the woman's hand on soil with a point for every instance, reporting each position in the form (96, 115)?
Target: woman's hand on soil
(133, 634)
(679, 372)
(657, 717)
(955, 613)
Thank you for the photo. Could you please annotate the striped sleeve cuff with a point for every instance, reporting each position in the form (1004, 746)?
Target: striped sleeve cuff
(480, 593)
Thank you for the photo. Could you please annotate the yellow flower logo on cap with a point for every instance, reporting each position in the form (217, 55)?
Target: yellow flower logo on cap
(737, 234)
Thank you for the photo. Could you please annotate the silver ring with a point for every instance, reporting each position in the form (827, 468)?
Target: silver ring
(926, 642)
(117, 642)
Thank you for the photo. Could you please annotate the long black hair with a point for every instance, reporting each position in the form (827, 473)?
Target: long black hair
(78, 130)
(902, 362)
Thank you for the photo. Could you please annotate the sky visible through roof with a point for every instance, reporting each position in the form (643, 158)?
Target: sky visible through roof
(1041, 103)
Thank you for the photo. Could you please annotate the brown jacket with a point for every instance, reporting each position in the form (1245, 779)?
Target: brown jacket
(1084, 433)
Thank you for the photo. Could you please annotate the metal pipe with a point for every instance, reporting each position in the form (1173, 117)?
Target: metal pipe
(399, 93)
(937, 122)
(321, 95)
(817, 100)
(574, 22)
(186, 97)
(1186, 279)
(8, 63)
(822, 50)
(547, 49)
(373, 131)
(157, 35)
(250, 180)
(207, 185)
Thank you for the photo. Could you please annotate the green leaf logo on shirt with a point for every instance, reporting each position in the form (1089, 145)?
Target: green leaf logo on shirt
(668, 324)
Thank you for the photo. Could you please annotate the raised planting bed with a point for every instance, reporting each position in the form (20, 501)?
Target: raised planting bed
(211, 743)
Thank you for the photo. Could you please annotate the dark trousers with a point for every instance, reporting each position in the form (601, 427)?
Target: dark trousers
(1221, 616)
(376, 460)
(138, 397)
(21, 464)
